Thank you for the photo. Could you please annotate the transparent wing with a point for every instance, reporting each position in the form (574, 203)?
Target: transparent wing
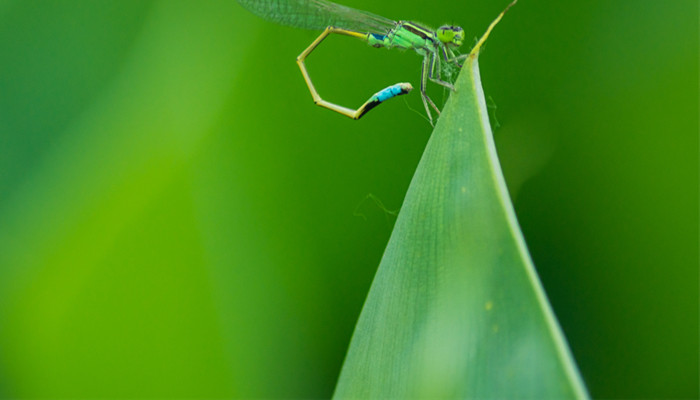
(317, 15)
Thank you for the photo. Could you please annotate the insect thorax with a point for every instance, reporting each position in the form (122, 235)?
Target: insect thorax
(405, 35)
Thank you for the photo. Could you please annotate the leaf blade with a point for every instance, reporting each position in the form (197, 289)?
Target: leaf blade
(456, 309)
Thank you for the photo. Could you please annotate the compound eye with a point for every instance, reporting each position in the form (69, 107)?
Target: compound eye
(459, 35)
(446, 34)
(451, 35)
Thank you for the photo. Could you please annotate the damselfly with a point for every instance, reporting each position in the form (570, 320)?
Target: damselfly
(435, 46)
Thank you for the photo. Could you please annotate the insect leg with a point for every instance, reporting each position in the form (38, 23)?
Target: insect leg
(424, 72)
(435, 70)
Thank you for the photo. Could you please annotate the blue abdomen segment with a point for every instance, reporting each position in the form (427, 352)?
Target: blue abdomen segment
(393, 91)
(384, 95)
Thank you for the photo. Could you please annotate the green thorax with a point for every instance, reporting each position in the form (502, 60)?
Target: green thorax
(405, 35)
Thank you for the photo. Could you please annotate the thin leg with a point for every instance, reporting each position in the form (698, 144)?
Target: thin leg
(437, 110)
(444, 50)
(450, 57)
(435, 70)
(432, 67)
(456, 59)
(435, 67)
(379, 97)
(423, 81)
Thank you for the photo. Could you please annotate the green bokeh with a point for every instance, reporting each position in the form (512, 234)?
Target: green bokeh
(178, 220)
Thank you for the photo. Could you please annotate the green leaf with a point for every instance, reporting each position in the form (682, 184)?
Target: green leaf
(456, 309)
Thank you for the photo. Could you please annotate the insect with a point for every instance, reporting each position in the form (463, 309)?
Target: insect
(435, 46)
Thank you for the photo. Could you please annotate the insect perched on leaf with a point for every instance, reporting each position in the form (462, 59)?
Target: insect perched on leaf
(435, 46)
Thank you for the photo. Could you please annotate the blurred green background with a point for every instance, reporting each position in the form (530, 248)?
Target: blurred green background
(177, 219)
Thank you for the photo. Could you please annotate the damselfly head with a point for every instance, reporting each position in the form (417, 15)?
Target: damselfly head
(451, 35)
